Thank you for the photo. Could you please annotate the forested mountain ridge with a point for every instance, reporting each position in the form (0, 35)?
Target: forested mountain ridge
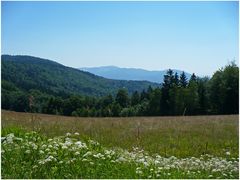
(27, 72)
(37, 85)
(114, 72)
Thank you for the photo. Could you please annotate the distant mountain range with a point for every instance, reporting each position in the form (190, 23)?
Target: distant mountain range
(25, 73)
(113, 72)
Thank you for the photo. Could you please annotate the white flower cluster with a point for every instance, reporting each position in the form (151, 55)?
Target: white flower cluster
(69, 150)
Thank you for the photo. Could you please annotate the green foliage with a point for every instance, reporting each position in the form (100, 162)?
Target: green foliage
(135, 99)
(35, 85)
(224, 90)
(29, 155)
(26, 72)
(183, 80)
(122, 98)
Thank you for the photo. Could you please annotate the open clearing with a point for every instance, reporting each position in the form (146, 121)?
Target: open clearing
(188, 136)
(59, 147)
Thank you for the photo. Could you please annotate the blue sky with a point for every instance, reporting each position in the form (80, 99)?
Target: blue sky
(196, 37)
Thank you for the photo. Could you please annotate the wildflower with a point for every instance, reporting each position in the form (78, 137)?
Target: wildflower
(3, 139)
(68, 134)
(54, 153)
(18, 139)
(77, 153)
(80, 144)
(72, 160)
(64, 147)
(156, 162)
(121, 159)
(138, 171)
(68, 143)
(9, 138)
(76, 133)
(145, 163)
(35, 147)
(50, 158)
(41, 162)
(87, 154)
(228, 153)
(93, 142)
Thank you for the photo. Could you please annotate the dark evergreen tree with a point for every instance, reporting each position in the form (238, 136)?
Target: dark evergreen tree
(116, 109)
(176, 79)
(135, 99)
(183, 80)
(144, 96)
(122, 98)
(193, 78)
(155, 103)
(166, 86)
(203, 95)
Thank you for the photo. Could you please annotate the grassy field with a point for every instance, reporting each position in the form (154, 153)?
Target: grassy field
(136, 147)
(167, 136)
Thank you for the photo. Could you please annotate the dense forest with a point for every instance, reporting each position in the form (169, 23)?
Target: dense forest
(28, 73)
(176, 96)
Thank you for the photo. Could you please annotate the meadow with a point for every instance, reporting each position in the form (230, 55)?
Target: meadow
(133, 147)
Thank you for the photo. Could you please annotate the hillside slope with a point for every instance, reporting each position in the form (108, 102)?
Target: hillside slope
(113, 72)
(27, 72)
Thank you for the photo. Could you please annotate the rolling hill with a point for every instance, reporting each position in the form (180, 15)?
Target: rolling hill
(26, 72)
(113, 72)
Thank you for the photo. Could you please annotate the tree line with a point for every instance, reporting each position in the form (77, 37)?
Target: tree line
(177, 96)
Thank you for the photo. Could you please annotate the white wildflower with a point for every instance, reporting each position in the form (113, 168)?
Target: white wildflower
(139, 172)
(77, 153)
(68, 134)
(64, 147)
(228, 153)
(87, 154)
(121, 159)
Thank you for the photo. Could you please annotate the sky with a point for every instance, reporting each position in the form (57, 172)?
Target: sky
(199, 37)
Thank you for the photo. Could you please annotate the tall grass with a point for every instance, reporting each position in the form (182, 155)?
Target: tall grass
(166, 136)
(31, 155)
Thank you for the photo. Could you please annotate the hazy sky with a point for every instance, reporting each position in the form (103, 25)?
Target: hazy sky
(196, 37)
